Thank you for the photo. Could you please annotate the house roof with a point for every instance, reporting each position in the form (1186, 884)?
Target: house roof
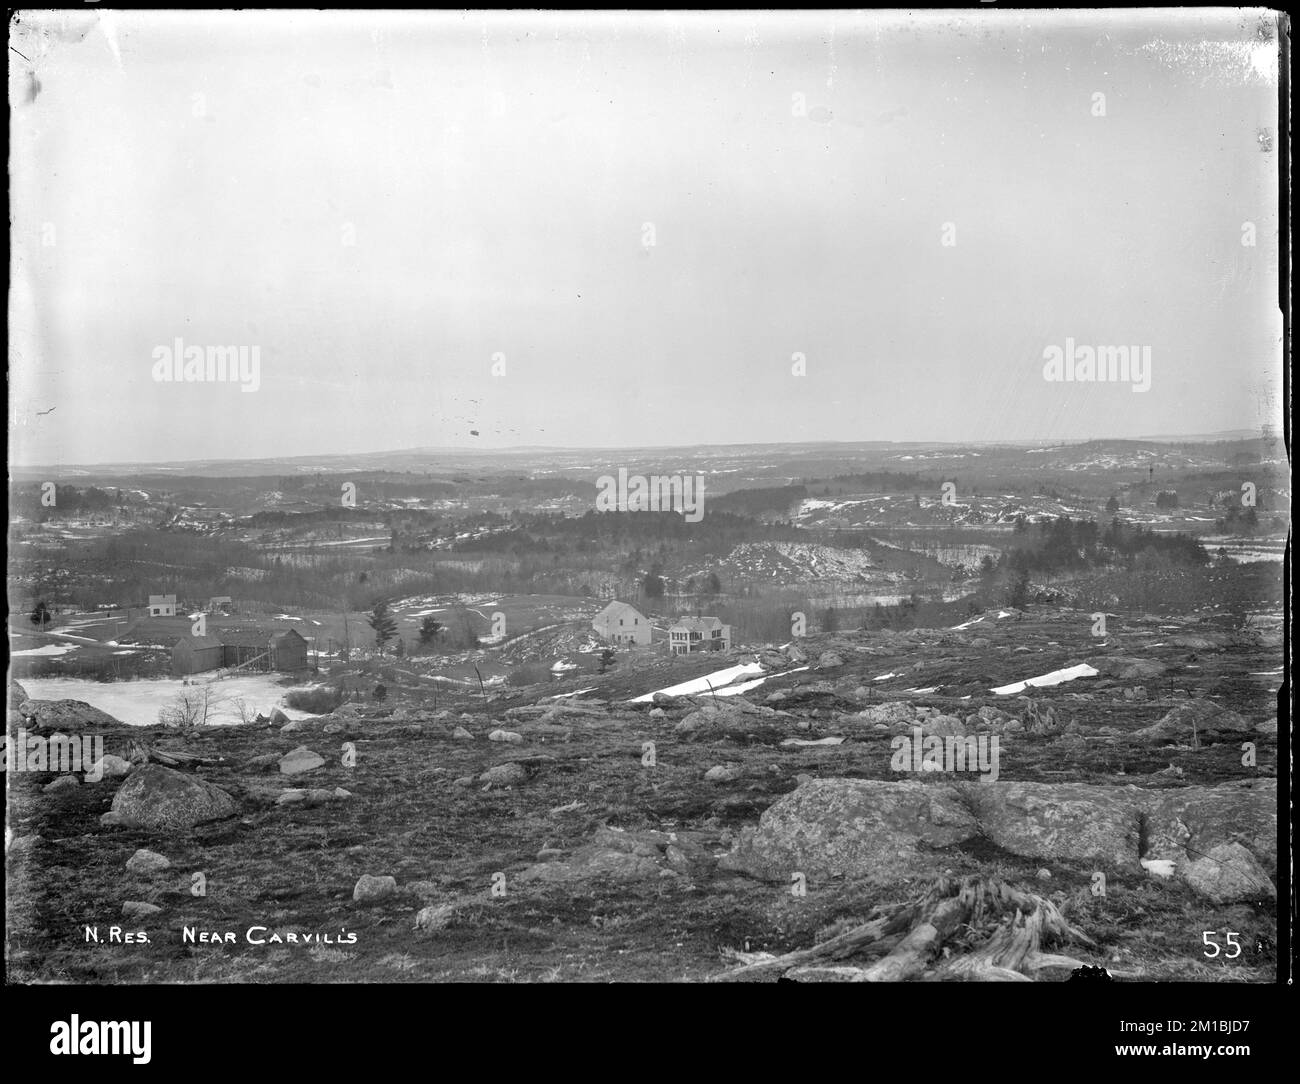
(696, 624)
(280, 637)
(616, 607)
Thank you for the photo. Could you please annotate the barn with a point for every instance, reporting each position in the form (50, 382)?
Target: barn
(288, 651)
(284, 651)
(194, 654)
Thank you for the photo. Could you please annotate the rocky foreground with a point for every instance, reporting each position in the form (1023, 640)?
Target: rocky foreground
(523, 837)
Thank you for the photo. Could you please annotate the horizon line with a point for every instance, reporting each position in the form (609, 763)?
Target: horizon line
(1222, 437)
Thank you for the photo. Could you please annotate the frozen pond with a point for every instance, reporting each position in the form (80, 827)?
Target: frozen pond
(138, 702)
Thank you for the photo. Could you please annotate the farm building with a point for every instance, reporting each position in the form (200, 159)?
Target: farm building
(288, 651)
(698, 634)
(622, 624)
(194, 654)
(284, 651)
(162, 605)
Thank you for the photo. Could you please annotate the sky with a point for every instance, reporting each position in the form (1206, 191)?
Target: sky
(490, 230)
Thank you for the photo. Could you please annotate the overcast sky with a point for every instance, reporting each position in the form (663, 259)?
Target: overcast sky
(383, 203)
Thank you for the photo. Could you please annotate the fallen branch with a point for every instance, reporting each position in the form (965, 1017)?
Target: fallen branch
(1012, 952)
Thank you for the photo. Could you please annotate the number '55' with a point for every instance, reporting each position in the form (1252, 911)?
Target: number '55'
(1207, 938)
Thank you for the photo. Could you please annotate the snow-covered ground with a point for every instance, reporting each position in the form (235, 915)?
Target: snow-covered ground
(745, 686)
(137, 703)
(1056, 677)
(701, 684)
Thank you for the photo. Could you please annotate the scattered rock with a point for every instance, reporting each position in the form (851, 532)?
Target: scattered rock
(890, 714)
(422, 890)
(63, 782)
(435, 917)
(504, 775)
(371, 889)
(300, 760)
(723, 773)
(461, 734)
(828, 660)
(944, 726)
(278, 717)
(507, 736)
(145, 862)
(109, 767)
(139, 909)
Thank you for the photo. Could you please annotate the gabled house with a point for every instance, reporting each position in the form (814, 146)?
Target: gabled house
(691, 634)
(622, 624)
(162, 605)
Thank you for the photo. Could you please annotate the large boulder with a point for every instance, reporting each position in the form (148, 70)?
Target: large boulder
(883, 831)
(160, 798)
(64, 715)
(861, 828)
(1227, 873)
(1193, 821)
(1065, 821)
(1203, 720)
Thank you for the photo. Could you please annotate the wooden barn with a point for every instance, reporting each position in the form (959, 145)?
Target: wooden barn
(194, 654)
(288, 651)
(284, 651)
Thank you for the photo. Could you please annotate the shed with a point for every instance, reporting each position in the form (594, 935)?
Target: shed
(194, 654)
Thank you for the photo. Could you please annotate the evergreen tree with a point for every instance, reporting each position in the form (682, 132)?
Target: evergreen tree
(383, 623)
